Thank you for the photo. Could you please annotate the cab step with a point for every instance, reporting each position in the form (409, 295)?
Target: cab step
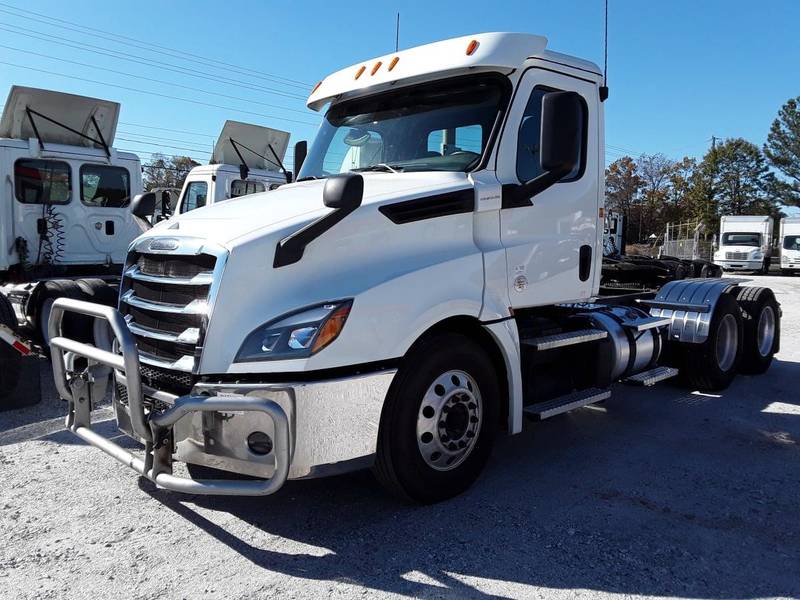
(651, 377)
(645, 323)
(556, 406)
(569, 338)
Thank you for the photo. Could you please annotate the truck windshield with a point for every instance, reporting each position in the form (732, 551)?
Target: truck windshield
(442, 126)
(791, 242)
(741, 239)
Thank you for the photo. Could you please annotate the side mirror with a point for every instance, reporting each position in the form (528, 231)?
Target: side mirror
(144, 205)
(166, 204)
(561, 141)
(244, 171)
(343, 191)
(300, 153)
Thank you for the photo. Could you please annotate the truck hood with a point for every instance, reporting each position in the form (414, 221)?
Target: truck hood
(293, 205)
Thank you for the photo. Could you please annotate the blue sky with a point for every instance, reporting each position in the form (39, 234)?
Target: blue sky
(679, 71)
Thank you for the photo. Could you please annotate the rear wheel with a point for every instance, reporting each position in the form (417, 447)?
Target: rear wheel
(439, 420)
(761, 328)
(712, 365)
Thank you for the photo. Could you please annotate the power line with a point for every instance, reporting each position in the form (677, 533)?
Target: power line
(167, 129)
(144, 60)
(118, 38)
(186, 87)
(130, 89)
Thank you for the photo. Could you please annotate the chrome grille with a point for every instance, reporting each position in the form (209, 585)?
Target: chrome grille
(165, 299)
(736, 255)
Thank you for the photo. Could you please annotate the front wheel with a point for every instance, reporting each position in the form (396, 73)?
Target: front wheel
(439, 420)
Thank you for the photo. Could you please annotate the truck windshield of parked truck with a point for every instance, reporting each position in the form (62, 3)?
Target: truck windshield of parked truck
(791, 242)
(441, 126)
(741, 239)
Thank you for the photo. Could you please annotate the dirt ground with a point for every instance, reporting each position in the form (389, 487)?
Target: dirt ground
(657, 493)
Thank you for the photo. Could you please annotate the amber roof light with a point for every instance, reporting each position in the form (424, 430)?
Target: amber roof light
(394, 62)
(360, 71)
(471, 47)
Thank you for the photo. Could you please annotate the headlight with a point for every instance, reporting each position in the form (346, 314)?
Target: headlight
(757, 254)
(784, 259)
(296, 335)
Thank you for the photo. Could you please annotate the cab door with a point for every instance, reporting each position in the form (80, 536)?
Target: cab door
(552, 241)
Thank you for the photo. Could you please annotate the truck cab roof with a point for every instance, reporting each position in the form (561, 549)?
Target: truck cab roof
(482, 51)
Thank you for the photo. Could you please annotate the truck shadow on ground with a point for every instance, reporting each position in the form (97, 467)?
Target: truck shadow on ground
(659, 493)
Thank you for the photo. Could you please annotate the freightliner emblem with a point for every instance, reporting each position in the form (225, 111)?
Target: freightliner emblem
(163, 245)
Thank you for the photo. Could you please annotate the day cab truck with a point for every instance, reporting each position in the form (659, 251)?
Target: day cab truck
(247, 159)
(790, 245)
(399, 313)
(745, 243)
(65, 219)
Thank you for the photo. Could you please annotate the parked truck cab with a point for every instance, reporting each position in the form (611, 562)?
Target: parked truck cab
(790, 245)
(65, 215)
(247, 159)
(430, 279)
(745, 243)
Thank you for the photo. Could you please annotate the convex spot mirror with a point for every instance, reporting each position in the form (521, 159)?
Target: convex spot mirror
(343, 191)
(144, 205)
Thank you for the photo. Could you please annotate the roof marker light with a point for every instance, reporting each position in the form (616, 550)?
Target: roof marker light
(376, 67)
(394, 62)
(471, 47)
(360, 71)
(316, 87)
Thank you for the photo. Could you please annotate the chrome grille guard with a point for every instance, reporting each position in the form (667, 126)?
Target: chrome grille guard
(75, 385)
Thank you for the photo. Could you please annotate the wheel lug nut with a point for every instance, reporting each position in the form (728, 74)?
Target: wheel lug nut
(473, 419)
(444, 437)
(472, 405)
(462, 444)
(452, 446)
(470, 434)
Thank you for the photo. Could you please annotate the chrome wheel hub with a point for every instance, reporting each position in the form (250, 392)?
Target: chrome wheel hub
(727, 342)
(449, 420)
(765, 332)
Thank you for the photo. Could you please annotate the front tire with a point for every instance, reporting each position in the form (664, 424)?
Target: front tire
(439, 421)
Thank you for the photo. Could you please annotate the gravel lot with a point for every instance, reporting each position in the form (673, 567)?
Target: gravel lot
(658, 493)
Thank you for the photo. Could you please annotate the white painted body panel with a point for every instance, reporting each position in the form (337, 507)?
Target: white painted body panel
(86, 240)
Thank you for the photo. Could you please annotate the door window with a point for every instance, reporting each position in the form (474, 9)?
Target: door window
(242, 187)
(42, 181)
(195, 196)
(106, 186)
(529, 160)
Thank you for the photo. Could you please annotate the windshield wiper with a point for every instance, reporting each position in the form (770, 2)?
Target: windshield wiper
(383, 167)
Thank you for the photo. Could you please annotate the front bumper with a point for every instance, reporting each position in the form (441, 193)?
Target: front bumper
(740, 265)
(316, 428)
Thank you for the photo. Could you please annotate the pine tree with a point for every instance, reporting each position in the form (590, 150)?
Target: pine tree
(783, 151)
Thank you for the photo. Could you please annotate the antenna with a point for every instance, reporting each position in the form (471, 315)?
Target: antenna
(397, 34)
(604, 87)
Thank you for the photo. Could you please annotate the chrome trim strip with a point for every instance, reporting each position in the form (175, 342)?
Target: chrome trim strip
(190, 335)
(204, 278)
(184, 364)
(195, 307)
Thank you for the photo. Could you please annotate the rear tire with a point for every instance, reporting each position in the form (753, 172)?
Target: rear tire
(761, 329)
(712, 365)
(438, 424)
(10, 359)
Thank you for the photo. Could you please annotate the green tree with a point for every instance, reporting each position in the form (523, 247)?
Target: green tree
(655, 170)
(623, 185)
(783, 151)
(167, 172)
(741, 181)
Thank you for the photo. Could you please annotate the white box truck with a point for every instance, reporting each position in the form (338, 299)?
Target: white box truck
(745, 243)
(431, 279)
(790, 245)
(66, 219)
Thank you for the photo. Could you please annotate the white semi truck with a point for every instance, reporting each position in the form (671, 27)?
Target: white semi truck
(65, 215)
(745, 243)
(400, 311)
(790, 245)
(247, 159)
